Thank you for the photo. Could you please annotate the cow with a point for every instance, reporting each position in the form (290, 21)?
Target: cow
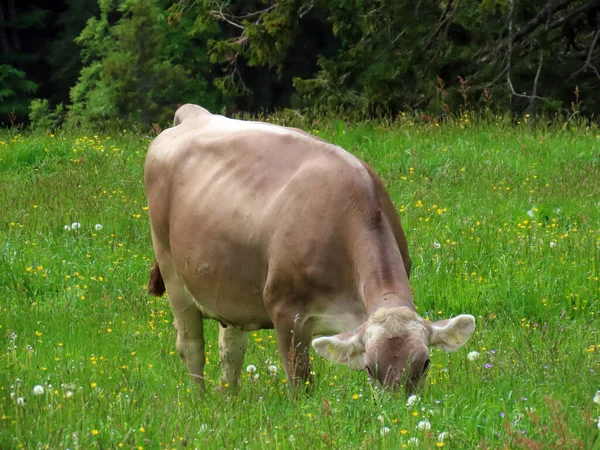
(259, 226)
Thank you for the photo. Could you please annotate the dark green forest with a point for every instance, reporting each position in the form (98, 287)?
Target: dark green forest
(94, 61)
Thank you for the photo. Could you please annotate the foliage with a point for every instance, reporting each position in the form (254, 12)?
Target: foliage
(383, 57)
(133, 69)
(14, 89)
(41, 115)
(502, 222)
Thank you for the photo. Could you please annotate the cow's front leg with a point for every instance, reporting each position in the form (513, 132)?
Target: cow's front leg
(232, 347)
(293, 339)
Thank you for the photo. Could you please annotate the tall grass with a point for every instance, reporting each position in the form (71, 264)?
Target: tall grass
(503, 222)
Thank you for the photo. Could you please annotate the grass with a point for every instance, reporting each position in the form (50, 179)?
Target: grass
(503, 221)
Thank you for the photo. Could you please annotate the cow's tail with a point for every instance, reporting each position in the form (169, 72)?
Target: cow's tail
(156, 284)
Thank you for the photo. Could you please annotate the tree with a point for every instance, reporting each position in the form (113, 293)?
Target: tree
(137, 68)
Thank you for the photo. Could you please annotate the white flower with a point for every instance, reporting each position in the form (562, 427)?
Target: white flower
(98, 226)
(443, 435)
(75, 225)
(531, 213)
(436, 245)
(272, 369)
(69, 394)
(256, 376)
(12, 395)
(384, 431)
(597, 397)
(38, 390)
(292, 438)
(413, 441)
(67, 228)
(203, 427)
(20, 401)
(556, 210)
(412, 400)
(472, 356)
(424, 425)
(552, 244)
(251, 368)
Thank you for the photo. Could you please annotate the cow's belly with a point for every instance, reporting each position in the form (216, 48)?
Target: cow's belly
(225, 279)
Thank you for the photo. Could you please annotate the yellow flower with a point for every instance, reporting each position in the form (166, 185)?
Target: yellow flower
(354, 396)
(93, 385)
(415, 413)
(95, 432)
(403, 431)
(439, 444)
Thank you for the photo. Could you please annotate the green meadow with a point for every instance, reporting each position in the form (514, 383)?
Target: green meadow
(503, 222)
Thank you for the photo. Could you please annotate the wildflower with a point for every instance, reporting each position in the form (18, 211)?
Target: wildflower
(424, 425)
(67, 228)
(256, 376)
(472, 356)
(354, 396)
(552, 244)
(442, 436)
(380, 418)
(20, 401)
(69, 394)
(75, 225)
(412, 400)
(292, 438)
(385, 431)
(251, 368)
(203, 427)
(597, 397)
(272, 369)
(95, 432)
(502, 414)
(436, 245)
(413, 441)
(98, 227)
(38, 390)
(531, 213)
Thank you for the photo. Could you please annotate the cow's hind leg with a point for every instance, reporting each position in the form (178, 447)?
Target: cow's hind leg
(232, 347)
(188, 319)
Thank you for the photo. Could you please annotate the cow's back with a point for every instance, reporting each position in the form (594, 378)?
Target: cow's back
(232, 201)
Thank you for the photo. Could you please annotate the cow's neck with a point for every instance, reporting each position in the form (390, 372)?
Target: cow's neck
(381, 277)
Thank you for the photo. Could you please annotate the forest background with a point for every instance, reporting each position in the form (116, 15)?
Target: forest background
(103, 61)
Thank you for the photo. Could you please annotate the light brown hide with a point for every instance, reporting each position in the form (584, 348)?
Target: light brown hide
(260, 226)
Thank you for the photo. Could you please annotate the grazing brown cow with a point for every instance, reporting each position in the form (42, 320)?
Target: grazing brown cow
(261, 226)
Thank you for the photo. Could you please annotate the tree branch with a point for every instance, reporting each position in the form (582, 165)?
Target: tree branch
(588, 62)
(509, 58)
(551, 7)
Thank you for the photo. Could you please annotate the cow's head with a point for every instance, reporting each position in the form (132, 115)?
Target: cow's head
(392, 346)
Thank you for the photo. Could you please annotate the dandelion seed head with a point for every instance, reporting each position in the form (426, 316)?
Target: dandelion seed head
(412, 400)
(98, 227)
(251, 368)
(472, 356)
(38, 390)
(272, 369)
(20, 401)
(442, 436)
(67, 228)
(424, 425)
(385, 431)
(597, 397)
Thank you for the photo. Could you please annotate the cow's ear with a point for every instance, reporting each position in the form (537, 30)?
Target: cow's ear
(451, 334)
(345, 348)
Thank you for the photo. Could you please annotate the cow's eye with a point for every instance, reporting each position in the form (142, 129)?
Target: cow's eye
(369, 371)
